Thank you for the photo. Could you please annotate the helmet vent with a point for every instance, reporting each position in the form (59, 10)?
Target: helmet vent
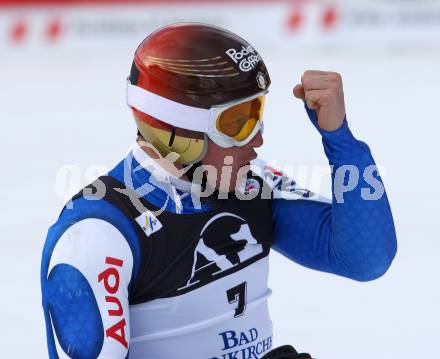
(173, 135)
(134, 74)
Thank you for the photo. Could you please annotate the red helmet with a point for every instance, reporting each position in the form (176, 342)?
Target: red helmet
(196, 65)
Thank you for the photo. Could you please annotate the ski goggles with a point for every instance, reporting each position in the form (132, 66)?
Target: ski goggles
(228, 125)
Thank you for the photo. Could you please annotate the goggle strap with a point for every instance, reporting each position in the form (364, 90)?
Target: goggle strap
(168, 111)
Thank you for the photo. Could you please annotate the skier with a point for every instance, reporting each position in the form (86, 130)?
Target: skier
(166, 256)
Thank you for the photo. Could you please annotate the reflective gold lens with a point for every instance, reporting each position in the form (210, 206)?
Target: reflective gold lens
(239, 121)
(190, 145)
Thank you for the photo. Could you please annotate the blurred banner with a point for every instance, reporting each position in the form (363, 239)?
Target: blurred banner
(100, 24)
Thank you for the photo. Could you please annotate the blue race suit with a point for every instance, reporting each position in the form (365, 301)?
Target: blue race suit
(192, 282)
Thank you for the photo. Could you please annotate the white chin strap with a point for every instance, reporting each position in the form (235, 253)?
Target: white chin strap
(173, 113)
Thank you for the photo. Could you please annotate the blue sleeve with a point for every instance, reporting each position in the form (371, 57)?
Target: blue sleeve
(90, 258)
(354, 235)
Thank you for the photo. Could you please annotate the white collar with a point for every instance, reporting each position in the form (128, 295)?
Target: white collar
(159, 172)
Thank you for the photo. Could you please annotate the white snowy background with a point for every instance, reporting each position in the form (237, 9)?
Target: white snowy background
(64, 121)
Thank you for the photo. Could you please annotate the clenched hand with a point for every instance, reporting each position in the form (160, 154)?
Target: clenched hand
(322, 91)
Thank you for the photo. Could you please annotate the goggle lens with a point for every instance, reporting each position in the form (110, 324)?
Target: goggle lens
(239, 121)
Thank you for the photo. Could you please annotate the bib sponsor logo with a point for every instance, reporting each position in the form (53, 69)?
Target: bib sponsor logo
(243, 345)
(110, 279)
(246, 58)
(149, 223)
(226, 242)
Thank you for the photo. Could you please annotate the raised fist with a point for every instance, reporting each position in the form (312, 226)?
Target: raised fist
(322, 91)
